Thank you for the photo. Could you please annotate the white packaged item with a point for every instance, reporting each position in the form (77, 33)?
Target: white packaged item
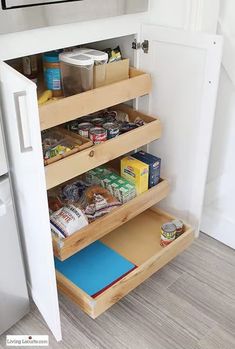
(77, 72)
(67, 220)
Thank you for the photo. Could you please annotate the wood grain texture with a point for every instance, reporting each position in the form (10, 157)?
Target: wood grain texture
(70, 108)
(64, 248)
(153, 316)
(74, 165)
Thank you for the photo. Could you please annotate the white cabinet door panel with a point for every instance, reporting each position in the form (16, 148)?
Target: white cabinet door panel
(185, 70)
(22, 131)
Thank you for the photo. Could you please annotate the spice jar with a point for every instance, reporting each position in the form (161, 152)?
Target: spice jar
(30, 68)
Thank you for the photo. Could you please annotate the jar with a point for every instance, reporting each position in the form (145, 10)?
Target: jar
(52, 73)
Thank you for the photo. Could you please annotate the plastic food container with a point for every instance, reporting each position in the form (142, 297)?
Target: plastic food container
(100, 59)
(52, 74)
(77, 72)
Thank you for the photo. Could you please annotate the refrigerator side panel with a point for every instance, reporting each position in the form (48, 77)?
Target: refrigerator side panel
(14, 301)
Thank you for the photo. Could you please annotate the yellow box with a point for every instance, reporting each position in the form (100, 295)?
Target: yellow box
(135, 171)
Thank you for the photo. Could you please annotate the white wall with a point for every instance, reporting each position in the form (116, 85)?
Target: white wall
(219, 214)
(195, 15)
(200, 15)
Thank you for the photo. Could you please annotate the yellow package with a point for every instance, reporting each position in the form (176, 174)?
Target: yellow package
(136, 172)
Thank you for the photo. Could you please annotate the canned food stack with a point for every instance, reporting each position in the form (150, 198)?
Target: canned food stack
(171, 231)
(104, 125)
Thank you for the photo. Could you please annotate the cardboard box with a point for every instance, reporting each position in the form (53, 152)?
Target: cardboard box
(109, 73)
(96, 175)
(119, 187)
(154, 166)
(136, 172)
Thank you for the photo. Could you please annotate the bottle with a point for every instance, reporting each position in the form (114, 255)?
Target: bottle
(30, 68)
(52, 73)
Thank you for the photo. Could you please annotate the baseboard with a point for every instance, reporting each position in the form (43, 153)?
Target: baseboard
(218, 227)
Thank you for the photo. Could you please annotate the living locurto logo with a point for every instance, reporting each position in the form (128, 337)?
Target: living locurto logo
(27, 340)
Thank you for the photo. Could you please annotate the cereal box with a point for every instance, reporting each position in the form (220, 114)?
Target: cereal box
(136, 172)
(154, 166)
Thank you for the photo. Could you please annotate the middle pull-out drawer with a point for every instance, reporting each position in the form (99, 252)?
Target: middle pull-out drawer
(138, 241)
(74, 165)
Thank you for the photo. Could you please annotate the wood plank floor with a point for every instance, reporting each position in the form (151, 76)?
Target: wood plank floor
(189, 304)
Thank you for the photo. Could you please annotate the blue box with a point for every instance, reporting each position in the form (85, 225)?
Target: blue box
(154, 166)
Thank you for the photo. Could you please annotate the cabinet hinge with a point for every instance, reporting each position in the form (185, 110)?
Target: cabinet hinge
(141, 45)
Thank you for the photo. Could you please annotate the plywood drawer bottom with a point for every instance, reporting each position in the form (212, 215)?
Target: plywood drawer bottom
(139, 242)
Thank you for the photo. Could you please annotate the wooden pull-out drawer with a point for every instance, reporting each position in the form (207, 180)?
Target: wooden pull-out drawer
(139, 242)
(69, 108)
(65, 248)
(74, 165)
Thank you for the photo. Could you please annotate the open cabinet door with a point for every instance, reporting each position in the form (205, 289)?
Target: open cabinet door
(185, 69)
(22, 133)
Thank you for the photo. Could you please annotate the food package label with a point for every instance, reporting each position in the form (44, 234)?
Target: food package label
(136, 172)
(67, 221)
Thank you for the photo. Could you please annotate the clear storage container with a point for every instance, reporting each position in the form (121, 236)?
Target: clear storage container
(99, 57)
(77, 72)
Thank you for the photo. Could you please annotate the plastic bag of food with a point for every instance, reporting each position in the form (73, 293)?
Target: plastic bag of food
(72, 192)
(67, 220)
(54, 203)
(97, 202)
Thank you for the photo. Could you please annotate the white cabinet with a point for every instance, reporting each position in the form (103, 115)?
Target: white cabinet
(184, 69)
(22, 130)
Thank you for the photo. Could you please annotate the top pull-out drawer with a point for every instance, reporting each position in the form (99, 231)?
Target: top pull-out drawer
(70, 108)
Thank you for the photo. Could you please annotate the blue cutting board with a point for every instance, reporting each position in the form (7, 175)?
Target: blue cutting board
(94, 268)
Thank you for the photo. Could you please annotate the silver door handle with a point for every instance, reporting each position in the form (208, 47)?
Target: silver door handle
(3, 209)
(23, 121)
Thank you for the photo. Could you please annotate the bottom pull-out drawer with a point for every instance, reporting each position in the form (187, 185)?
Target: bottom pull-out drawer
(139, 242)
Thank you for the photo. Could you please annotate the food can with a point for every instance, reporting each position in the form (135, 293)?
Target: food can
(112, 129)
(73, 126)
(98, 122)
(110, 116)
(98, 135)
(127, 126)
(84, 128)
(168, 233)
(179, 227)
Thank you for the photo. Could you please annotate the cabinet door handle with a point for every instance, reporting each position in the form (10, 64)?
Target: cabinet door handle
(3, 209)
(23, 121)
